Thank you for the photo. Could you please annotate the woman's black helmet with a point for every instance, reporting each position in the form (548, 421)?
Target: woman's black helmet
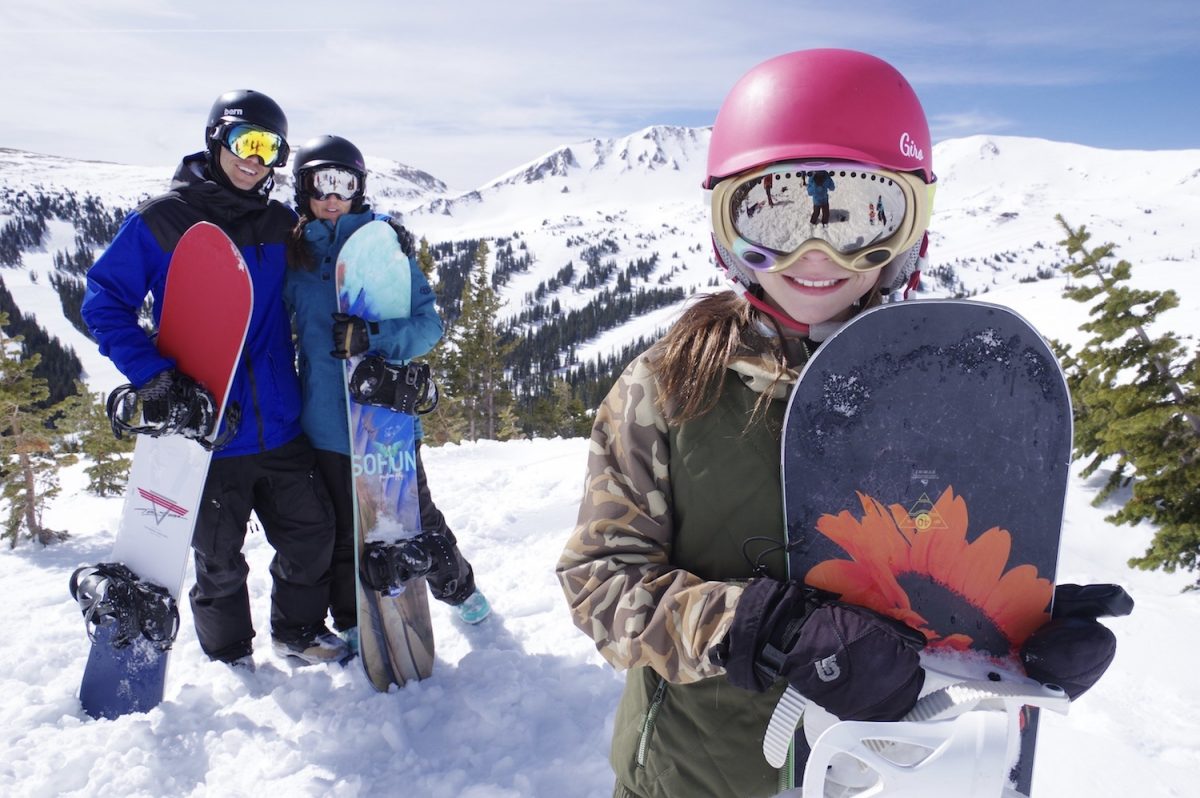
(327, 151)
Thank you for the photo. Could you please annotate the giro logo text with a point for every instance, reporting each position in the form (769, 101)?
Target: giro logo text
(909, 148)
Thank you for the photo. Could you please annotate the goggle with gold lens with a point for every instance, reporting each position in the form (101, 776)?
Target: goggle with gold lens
(250, 141)
(861, 216)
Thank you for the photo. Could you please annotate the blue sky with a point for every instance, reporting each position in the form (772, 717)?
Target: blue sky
(468, 89)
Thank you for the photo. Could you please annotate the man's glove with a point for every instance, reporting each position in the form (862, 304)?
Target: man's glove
(167, 397)
(1073, 649)
(407, 246)
(350, 336)
(854, 662)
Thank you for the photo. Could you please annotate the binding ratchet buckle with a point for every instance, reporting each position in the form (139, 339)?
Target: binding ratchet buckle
(111, 595)
(407, 388)
(190, 411)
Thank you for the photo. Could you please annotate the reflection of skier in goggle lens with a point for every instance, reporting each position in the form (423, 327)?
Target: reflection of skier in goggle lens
(332, 181)
(769, 217)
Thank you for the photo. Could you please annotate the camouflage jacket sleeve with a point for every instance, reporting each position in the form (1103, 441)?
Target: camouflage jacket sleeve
(616, 569)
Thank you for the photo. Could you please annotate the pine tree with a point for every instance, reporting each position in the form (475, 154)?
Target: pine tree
(425, 261)
(477, 371)
(445, 424)
(27, 443)
(1136, 402)
(560, 414)
(87, 420)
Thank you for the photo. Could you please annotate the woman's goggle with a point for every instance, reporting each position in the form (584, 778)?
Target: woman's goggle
(860, 216)
(248, 141)
(332, 181)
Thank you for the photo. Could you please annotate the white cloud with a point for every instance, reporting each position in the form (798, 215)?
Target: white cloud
(461, 88)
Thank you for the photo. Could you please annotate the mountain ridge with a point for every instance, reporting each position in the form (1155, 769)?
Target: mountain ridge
(605, 206)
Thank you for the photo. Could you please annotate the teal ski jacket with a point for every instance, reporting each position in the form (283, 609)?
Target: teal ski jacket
(311, 297)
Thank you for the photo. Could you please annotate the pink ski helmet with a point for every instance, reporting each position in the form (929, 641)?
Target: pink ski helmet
(833, 104)
(823, 104)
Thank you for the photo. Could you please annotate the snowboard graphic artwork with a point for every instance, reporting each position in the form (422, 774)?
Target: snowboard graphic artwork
(206, 308)
(925, 460)
(395, 631)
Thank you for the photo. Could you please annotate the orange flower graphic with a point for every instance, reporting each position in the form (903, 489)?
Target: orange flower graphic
(916, 565)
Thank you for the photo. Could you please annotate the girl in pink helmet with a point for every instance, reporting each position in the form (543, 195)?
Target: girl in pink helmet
(676, 568)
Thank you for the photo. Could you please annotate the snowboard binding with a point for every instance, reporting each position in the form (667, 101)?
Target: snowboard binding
(111, 595)
(189, 410)
(408, 389)
(385, 567)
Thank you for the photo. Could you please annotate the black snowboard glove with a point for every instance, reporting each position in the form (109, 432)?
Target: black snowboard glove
(405, 238)
(169, 398)
(854, 662)
(1073, 650)
(154, 396)
(350, 336)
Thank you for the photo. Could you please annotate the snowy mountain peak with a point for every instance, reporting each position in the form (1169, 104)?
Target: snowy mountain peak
(663, 146)
(558, 163)
(653, 148)
(656, 163)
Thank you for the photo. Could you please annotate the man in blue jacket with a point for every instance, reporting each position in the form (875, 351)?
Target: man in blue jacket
(268, 466)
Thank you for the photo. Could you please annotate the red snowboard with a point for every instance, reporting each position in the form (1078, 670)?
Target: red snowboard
(206, 309)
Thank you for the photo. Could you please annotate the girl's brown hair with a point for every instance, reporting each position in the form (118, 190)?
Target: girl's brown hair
(690, 360)
(298, 254)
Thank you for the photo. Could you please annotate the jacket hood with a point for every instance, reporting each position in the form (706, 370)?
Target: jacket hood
(200, 183)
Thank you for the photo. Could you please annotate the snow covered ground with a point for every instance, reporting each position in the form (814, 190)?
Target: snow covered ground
(521, 706)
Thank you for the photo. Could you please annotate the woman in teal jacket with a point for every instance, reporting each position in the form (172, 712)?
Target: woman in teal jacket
(330, 177)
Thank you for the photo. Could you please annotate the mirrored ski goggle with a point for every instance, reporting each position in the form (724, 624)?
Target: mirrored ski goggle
(332, 181)
(248, 141)
(861, 216)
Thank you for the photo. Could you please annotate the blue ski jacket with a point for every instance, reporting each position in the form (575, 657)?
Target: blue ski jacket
(265, 385)
(311, 296)
(820, 193)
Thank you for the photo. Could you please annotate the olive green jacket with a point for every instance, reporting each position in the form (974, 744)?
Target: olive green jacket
(671, 524)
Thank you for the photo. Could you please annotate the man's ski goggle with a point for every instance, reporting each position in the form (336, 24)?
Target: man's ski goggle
(332, 181)
(861, 216)
(249, 141)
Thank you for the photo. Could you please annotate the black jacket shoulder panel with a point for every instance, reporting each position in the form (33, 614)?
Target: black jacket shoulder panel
(249, 220)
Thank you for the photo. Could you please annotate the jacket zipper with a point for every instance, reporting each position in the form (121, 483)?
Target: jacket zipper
(258, 419)
(648, 726)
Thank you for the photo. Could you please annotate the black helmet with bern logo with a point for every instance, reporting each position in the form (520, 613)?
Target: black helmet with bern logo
(245, 107)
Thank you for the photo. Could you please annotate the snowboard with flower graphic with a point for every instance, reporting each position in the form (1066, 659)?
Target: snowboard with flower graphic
(925, 459)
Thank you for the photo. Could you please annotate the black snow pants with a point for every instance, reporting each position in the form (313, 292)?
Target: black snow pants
(282, 488)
